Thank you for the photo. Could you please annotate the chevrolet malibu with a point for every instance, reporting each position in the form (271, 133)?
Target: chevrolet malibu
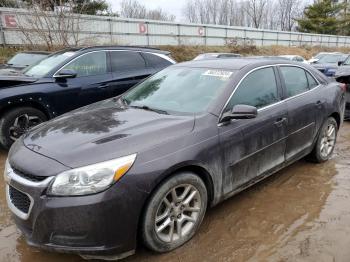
(147, 164)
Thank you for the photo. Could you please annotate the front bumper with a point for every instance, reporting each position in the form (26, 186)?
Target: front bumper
(99, 225)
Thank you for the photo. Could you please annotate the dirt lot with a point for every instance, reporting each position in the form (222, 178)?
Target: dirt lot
(300, 214)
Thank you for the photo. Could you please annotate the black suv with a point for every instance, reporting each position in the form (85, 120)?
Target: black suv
(70, 79)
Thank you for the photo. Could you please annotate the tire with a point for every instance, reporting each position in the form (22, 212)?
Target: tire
(27, 117)
(177, 214)
(325, 142)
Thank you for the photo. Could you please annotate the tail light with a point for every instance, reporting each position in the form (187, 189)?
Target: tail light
(343, 86)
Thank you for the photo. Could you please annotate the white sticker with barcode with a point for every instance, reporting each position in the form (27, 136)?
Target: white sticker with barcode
(218, 73)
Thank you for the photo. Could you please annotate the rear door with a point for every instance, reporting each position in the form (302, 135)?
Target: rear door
(254, 147)
(305, 107)
(128, 69)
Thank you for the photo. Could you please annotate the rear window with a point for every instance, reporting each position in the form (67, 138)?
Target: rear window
(126, 60)
(155, 61)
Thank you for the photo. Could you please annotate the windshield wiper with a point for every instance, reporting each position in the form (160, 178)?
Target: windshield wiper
(144, 107)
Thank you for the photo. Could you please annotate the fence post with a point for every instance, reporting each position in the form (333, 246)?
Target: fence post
(178, 35)
(2, 32)
(205, 35)
(290, 39)
(110, 30)
(147, 33)
(262, 39)
(226, 35)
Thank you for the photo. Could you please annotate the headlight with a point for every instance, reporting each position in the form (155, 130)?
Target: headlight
(90, 179)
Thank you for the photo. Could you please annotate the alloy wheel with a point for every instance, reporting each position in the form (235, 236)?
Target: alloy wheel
(328, 140)
(178, 213)
(23, 123)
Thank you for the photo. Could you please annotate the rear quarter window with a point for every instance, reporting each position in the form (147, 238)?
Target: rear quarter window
(155, 61)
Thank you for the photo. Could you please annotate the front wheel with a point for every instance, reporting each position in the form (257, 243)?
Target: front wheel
(326, 140)
(16, 122)
(174, 212)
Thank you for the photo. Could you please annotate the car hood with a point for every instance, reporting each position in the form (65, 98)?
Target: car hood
(343, 71)
(323, 66)
(11, 71)
(15, 79)
(104, 131)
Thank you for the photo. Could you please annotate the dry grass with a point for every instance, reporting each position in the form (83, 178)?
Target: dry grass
(185, 53)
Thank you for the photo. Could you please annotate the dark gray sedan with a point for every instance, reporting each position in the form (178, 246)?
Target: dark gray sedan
(149, 163)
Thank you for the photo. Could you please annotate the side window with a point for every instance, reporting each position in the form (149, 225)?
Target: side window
(90, 64)
(155, 61)
(312, 81)
(295, 80)
(126, 60)
(258, 89)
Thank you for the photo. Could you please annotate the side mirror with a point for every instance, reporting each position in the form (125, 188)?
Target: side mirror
(240, 112)
(66, 73)
(340, 63)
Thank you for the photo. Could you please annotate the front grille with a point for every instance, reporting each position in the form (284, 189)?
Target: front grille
(29, 177)
(19, 200)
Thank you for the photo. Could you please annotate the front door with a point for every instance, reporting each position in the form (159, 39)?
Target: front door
(91, 83)
(253, 147)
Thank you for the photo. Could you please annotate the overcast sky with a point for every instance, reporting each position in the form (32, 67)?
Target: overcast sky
(171, 6)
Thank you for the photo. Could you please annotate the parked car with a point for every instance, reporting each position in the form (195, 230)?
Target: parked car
(70, 79)
(268, 57)
(319, 56)
(342, 75)
(148, 163)
(215, 55)
(329, 63)
(22, 60)
(296, 58)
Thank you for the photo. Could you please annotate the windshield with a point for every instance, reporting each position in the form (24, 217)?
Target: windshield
(319, 55)
(25, 59)
(330, 59)
(185, 90)
(347, 61)
(44, 66)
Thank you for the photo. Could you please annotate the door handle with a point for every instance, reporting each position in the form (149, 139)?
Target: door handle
(103, 86)
(279, 121)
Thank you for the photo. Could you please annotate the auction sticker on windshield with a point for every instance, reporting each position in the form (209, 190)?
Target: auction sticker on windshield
(218, 73)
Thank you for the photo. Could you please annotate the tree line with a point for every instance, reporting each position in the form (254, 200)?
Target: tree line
(311, 16)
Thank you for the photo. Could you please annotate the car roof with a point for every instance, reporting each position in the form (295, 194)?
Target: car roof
(214, 53)
(234, 63)
(35, 52)
(117, 47)
(290, 56)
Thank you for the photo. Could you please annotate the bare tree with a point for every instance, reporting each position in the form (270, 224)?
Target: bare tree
(133, 9)
(288, 11)
(256, 9)
(60, 28)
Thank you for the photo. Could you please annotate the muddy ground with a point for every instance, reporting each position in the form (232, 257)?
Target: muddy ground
(299, 214)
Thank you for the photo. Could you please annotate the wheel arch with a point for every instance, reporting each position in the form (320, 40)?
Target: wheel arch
(337, 118)
(49, 114)
(196, 168)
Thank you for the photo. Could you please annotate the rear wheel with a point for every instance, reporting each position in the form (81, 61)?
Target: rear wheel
(16, 122)
(174, 212)
(326, 140)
